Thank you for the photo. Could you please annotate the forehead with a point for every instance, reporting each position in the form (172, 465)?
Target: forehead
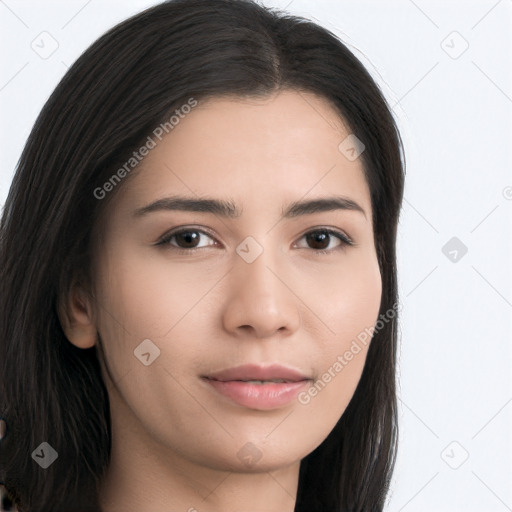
(258, 151)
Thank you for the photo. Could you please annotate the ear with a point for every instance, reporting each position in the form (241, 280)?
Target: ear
(75, 315)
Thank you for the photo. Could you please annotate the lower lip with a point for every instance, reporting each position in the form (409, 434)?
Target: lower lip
(258, 396)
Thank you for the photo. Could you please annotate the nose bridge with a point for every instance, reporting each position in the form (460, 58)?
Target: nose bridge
(256, 268)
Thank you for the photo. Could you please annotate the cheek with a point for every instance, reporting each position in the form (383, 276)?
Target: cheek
(348, 304)
(145, 296)
(345, 298)
(130, 308)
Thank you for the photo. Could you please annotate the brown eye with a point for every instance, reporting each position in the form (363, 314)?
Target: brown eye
(320, 239)
(186, 239)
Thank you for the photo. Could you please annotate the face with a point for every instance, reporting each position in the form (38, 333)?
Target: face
(183, 296)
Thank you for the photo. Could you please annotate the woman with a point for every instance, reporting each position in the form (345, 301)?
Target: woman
(198, 269)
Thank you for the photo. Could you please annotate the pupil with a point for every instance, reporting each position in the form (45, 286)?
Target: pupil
(189, 236)
(319, 236)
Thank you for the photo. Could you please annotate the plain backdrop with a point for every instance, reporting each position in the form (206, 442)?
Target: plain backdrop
(446, 69)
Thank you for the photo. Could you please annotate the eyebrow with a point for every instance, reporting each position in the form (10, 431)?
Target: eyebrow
(228, 209)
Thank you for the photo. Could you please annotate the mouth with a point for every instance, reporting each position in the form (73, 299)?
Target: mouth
(259, 374)
(258, 387)
(276, 381)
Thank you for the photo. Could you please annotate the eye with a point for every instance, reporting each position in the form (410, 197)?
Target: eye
(186, 239)
(321, 239)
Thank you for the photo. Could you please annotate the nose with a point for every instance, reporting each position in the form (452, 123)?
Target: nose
(261, 302)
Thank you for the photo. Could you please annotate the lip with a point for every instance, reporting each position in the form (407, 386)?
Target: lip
(231, 384)
(257, 372)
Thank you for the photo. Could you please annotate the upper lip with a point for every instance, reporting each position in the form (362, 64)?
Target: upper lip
(256, 372)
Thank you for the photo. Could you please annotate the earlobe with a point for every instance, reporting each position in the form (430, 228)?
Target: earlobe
(75, 315)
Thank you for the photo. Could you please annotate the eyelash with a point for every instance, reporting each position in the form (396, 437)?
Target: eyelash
(165, 240)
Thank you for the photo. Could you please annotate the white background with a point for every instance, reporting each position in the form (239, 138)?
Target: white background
(454, 111)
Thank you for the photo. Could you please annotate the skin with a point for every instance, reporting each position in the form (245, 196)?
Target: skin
(175, 441)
